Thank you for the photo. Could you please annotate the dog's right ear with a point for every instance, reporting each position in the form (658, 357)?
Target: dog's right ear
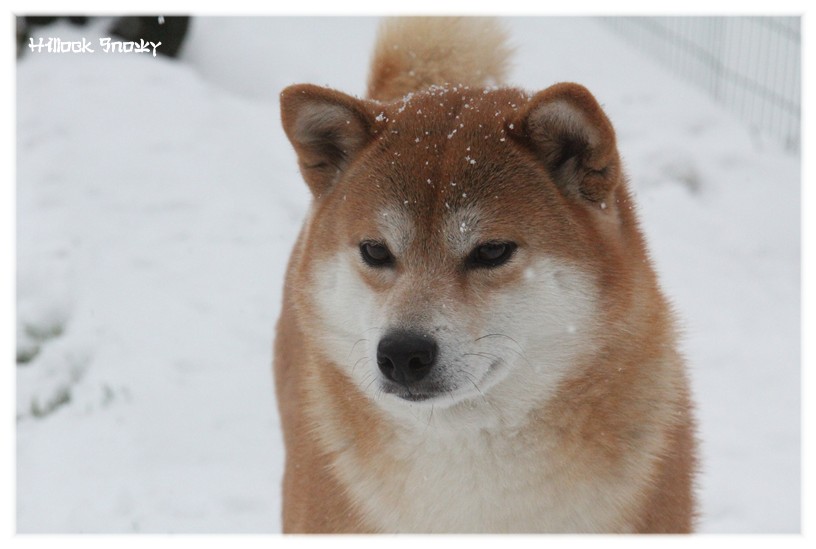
(327, 129)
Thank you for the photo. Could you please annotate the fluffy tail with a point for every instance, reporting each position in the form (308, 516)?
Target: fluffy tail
(413, 53)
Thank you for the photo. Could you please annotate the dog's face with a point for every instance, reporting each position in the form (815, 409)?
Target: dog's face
(457, 237)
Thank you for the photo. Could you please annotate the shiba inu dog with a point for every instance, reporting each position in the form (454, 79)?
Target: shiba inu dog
(472, 337)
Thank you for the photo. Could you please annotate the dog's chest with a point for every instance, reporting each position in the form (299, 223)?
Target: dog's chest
(470, 483)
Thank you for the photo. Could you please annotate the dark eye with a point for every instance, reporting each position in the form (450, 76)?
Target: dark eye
(376, 254)
(491, 254)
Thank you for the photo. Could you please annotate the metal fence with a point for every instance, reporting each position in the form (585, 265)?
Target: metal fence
(752, 65)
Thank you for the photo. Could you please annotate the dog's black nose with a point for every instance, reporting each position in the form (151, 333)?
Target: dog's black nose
(406, 357)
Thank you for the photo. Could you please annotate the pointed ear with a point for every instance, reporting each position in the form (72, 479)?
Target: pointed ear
(327, 129)
(567, 129)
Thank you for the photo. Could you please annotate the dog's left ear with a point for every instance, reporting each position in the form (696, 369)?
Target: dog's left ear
(327, 129)
(567, 129)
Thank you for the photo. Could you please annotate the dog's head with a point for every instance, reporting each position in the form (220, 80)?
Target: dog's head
(462, 241)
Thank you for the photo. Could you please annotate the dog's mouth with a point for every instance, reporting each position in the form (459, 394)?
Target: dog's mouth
(425, 391)
(412, 394)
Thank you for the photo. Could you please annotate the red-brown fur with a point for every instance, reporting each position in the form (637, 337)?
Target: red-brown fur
(631, 389)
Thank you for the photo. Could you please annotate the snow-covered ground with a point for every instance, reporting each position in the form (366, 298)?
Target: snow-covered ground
(157, 202)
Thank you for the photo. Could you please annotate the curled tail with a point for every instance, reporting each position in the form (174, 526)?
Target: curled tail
(413, 53)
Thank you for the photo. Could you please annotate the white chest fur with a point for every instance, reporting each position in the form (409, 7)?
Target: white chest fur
(481, 481)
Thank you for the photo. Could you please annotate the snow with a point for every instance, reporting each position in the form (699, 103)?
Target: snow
(158, 200)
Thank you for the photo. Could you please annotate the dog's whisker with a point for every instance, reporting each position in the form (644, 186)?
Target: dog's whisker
(522, 356)
(357, 363)
(518, 351)
(472, 381)
(355, 345)
(499, 335)
(484, 397)
(489, 356)
(373, 379)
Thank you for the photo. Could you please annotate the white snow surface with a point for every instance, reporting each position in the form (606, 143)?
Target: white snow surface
(158, 200)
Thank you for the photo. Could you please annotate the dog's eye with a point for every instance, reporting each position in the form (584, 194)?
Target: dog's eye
(376, 254)
(491, 254)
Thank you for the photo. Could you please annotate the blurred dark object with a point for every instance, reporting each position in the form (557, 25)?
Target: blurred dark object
(170, 31)
(42, 20)
(27, 23)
